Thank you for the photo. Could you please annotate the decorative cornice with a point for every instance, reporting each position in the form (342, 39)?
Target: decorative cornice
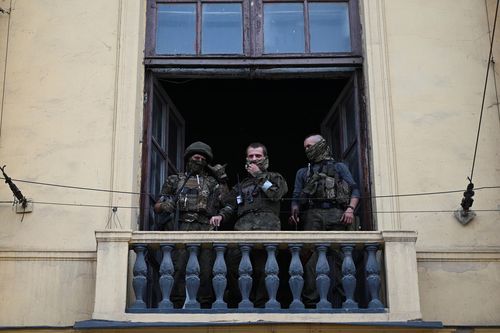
(48, 256)
(460, 255)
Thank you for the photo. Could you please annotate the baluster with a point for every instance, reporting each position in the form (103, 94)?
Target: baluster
(166, 276)
(219, 280)
(192, 277)
(296, 281)
(373, 277)
(272, 279)
(322, 277)
(139, 280)
(348, 277)
(245, 279)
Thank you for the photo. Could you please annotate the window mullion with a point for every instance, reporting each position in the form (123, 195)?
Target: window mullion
(248, 43)
(307, 37)
(256, 27)
(198, 27)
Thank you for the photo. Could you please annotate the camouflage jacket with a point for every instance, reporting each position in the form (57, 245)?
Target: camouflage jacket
(201, 194)
(256, 194)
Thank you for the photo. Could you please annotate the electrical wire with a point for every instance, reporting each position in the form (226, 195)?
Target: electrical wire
(82, 205)
(77, 187)
(484, 91)
(136, 207)
(151, 194)
(114, 207)
(493, 63)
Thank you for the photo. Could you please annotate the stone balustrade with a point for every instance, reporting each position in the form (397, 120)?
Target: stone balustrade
(373, 274)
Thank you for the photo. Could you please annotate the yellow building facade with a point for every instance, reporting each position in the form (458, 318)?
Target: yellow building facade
(73, 103)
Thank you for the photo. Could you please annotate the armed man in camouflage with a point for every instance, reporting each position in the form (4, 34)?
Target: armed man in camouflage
(191, 201)
(325, 196)
(256, 203)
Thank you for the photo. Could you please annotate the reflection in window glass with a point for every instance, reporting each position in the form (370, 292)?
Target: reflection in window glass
(157, 120)
(173, 139)
(157, 171)
(337, 150)
(350, 119)
(329, 27)
(176, 26)
(222, 30)
(284, 28)
(352, 162)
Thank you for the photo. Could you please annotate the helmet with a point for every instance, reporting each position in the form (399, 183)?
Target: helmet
(201, 148)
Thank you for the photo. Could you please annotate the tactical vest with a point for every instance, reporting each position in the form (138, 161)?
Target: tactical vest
(254, 199)
(197, 195)
(328, 185)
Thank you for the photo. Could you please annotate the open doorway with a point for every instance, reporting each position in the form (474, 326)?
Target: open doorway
(228, 114)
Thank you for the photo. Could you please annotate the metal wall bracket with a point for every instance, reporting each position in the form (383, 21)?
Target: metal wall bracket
(28, 208)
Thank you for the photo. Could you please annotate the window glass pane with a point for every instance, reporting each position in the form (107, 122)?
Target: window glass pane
(352, 162)
(222, 30)
(350, 119)
(329, 27)
(173, 139)
(284, 28)
(176, 26)
(157, 175)
(336, 139)
(157, 120)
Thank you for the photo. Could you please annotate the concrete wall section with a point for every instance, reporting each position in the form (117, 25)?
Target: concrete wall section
(46, 288)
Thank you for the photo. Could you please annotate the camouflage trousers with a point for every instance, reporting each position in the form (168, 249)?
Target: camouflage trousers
(206, 259)
(264, 221)
(317, 219)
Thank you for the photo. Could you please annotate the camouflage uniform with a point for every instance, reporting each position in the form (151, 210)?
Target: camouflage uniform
(198, 199)
(258, 209)
(323, 190)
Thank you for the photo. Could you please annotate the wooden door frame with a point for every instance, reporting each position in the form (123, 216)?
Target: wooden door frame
(361, 128)
(151, 87)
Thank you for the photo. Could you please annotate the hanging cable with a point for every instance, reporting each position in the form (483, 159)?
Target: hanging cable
(493, 64)
(78, 187)
(115, 208)
(464, 215)
(484, 91)
(143, 193)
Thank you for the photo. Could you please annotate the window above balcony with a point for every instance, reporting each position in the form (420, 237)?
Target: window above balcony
(252, 28)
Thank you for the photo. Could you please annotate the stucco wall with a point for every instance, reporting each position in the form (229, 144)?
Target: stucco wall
(73, 86)
(71, 113)
(46, 288)
(426, 65)
(437, 72)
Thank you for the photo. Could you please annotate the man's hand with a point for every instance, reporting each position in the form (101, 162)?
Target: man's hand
(294, 216)
(253, 169)
(164, 207)
(219, 172)
(216, 220)
(348, 216)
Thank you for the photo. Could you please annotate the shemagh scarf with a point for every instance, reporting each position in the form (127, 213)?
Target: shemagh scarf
(318, 152)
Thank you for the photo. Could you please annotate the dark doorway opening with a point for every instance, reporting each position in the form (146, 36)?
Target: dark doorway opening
(228, 114)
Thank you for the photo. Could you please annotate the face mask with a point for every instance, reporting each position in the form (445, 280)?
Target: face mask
(318, 152)
(196, 166)
(263, 164)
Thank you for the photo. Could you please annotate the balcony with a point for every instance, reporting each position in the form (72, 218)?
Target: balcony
(381, 285)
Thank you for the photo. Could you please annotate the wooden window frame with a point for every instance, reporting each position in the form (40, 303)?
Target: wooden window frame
(150, 143)
(253, 38)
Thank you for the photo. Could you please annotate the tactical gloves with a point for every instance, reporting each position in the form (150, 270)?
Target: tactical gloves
(219, 172)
